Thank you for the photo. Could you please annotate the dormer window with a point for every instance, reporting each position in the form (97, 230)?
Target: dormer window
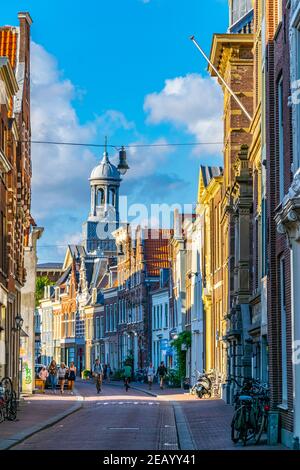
(238, 9)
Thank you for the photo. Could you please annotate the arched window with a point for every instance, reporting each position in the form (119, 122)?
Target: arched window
(112, 197)
(100, 197)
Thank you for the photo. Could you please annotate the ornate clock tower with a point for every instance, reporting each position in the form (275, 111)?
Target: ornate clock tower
(103, 219)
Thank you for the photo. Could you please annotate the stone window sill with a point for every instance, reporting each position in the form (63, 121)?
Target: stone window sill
(283, 407)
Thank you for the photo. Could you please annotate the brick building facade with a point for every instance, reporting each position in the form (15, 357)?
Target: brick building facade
(232, 55)
(279, 160)
(15, 183)
(141, 256)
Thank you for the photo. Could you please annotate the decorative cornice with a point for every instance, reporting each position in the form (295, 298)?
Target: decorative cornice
(287, 215)
(226, 47)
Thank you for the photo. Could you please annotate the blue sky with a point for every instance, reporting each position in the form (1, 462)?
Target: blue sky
(124, 68)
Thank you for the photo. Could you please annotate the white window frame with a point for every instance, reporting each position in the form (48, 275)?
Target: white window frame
(295, 84)
(283, 321)
(280, 137)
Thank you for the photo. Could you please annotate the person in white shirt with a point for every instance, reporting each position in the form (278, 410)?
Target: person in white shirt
(150, 375)
(43, 375)
(62, 371)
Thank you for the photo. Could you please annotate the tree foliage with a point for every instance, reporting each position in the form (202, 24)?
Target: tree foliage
(184, 339)
(41, 282)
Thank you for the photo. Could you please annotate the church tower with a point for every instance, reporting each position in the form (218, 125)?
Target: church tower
(103, 219)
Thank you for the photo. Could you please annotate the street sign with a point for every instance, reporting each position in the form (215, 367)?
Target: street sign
(164, 344)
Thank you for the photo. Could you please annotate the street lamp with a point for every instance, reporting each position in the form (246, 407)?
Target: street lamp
(18, 323)
(193, 274)
(123, 165)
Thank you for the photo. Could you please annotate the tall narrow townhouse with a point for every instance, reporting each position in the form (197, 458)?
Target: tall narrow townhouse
(257, 157)
(8, 88)
(213, 268)
(232, 56)
(142, 253)
(283, 130)
(15, 46)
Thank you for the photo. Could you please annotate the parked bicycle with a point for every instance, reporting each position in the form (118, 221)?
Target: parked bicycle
(250, 417)
(8, 400)
(206, 384)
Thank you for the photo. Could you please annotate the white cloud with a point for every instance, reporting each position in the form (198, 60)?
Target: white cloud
(193, 103)
(60, 173)
(144, 161)
(69, 239)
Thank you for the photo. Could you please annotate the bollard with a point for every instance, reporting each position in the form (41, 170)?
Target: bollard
(273, 427)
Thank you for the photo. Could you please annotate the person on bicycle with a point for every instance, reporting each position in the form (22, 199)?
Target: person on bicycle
(162, 372)
(127, 376)
(98, 374)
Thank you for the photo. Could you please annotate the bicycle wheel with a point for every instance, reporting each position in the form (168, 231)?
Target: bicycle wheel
(262, 428)
(237, 425)
(7, 385)
(2, 412)
(12, 407)
(249, 431)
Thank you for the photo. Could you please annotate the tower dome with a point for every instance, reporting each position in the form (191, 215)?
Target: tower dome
(105, 171)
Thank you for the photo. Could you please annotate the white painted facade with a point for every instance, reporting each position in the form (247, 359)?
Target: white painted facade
(161, 349)
(197, 349)
(27, 337)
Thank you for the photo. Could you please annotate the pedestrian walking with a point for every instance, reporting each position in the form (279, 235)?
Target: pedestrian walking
(43, 375)
(98, 374)
(52, 369)
(108, 373)
(72, 376)
(127, 376)
(162, 372)
(62, 372)
(150, 374)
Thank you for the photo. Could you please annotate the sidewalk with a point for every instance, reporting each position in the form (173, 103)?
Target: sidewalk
(209, 425)
(36, 412)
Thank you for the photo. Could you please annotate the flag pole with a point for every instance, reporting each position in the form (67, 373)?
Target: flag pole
(192, 38)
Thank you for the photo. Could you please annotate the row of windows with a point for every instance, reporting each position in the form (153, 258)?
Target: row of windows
(111, 317)
(160, 316)
(127, 280)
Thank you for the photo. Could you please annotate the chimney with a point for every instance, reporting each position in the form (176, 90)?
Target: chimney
(25, 23)
(24, 15)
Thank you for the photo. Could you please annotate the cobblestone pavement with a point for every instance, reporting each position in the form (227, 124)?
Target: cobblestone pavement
(113, 420)
(116, 420)
(36, 411)
(209, 425)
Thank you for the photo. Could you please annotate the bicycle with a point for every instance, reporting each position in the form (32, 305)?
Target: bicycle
(8, 400)
(264, 408)
(250, 417)
(126, 383)
(98, 382)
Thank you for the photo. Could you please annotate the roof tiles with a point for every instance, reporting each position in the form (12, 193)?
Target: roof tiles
(8, 44)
